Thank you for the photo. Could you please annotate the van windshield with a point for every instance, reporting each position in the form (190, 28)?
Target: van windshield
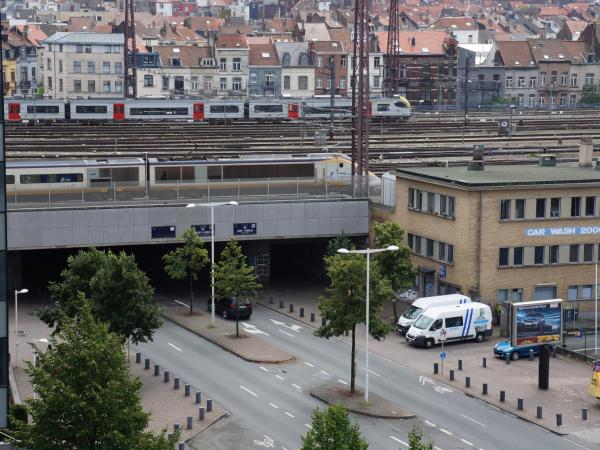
(413, 312)
(423, 322)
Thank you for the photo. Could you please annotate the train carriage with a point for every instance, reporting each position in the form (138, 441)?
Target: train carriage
(224, 110)
(17, 110)
(274, 110)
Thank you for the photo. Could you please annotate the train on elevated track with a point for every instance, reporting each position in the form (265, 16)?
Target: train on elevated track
(200, 110)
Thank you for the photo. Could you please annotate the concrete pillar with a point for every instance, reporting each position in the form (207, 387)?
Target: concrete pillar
(586, 152)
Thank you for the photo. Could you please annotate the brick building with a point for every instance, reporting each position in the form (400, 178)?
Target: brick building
(320, 54)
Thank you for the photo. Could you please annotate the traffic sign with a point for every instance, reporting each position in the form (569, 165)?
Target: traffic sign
(443, 271)
(442, 355)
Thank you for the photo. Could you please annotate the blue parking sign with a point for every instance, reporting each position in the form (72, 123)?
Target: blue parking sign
(442, 272)
(442, 355)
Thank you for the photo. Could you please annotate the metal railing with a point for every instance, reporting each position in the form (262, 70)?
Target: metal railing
(176, 192)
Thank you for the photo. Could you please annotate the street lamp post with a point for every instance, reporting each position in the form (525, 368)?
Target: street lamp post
(368, 252)
(17, 292)
(212, 249)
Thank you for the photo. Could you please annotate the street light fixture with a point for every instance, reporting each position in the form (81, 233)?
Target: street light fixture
(368, 252)
(212, 248)
(17, 292)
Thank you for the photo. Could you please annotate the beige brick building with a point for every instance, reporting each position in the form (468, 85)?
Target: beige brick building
(505, 232)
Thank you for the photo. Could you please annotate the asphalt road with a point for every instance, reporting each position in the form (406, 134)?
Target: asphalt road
(272, 402)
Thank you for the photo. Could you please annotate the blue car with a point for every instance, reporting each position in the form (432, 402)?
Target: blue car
(503, 348)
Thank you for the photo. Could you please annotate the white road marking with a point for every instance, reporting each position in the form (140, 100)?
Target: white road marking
(309, 364)
(437, 448)
(445, 431)
(437, 388)
(175, 347)
(279, 377)
(264, 369)
(431, 424)
(181, 303)
(285, 332)
(466, 442)
(473, 420)
(326, 373)
(274, 405)
(292, 327)
(267, 442)
(289, 414)
(248, 391)
(343, 382)
(308, 426)
(370, 371)
(249, 328)
(296, 386)
(398, 440)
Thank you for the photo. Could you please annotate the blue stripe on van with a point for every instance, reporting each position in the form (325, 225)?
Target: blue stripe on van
(465, 323)
(470, 321)
(468, 316)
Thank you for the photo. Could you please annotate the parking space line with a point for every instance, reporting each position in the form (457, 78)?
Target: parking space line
(398, 440)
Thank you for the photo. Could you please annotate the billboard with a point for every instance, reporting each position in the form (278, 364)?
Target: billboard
(536, 322)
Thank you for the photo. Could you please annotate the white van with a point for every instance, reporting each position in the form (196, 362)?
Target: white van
(451, 323)
(422, 304)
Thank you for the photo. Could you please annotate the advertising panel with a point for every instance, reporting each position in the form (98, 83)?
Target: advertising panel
(536, 322)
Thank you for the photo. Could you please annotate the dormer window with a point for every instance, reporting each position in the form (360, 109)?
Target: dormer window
(175, 62)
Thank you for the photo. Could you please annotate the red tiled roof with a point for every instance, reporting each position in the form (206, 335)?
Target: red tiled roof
(515, 53)
(231, 41)
(263, 55)
(426, 42)
(455, 23)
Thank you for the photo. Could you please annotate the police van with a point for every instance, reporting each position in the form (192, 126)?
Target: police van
(421, 305)
(451, 323)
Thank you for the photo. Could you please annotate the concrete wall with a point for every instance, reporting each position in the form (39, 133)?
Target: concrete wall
(125, 226)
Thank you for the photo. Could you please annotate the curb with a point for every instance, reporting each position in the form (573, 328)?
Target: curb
(491, 403)
(365, 413)
(228, 348)
(218, 419)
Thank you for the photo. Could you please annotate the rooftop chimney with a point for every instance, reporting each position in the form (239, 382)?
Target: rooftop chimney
(586, 152)
(477, 162)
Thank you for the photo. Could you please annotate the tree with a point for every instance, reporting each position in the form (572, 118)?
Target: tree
(415, 440)
(187, 260)
(332, 430)
(86, 398)
(590, 95)
(344, 306)
(120, 294)
(235, 278)
(341, 241)
(394, 266)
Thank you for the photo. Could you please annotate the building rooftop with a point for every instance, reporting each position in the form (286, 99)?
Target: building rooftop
(62, 37)
(508, 175)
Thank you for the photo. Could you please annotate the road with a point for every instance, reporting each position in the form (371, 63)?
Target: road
(272, 402)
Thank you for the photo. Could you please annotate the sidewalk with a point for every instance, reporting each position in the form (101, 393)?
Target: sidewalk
(166, 405)
(569, 378)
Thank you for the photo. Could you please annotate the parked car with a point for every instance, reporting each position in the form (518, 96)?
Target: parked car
(226, 308)
(503, 348)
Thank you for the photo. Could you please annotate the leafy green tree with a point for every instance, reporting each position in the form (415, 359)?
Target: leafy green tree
(415, 440)
(344, 304)
(120, 294)
(341, 241)
(86, 398)
(332, 430)
(235, 278)
(187, 260)
(590, 95)
(395, 266)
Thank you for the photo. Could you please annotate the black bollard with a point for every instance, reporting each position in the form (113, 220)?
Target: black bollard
(291, 307)
(584, 414)
(539, 412)
(530, 354)
(559, 420)
(156, 370)
(190, 422)
(301, 312)
(201, 413)
(280, 304)
(312, 317)
(176, 383)
(181, 446)
(166, 376)
(520, 404)
(208, 405)
(176, 427)
(468, 382)
(271, 301)
(138, 357)
(502, 396)
(198, 397)
(507, 358)
(186, 390)
(146, 363)
(435, 368)
(451, 375)
(485, 389)
(460, 364)
(484, 362)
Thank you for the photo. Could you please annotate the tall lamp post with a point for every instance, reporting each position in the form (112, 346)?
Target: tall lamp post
(17, 292)
(368, 252)
(212, 248)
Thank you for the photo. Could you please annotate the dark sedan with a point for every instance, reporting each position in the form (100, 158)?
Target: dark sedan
(226, 307)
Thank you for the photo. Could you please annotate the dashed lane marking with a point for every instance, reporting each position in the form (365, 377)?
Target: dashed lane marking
(296, 386)
(446, 431)
(175, 347)
(466, 442)
(431, 424)
(274, 405)
(285, 332)
(343, 382)
(473, 420)
(398, 440)
(279, 377)
(289, 414)
(436, 448)
(325, 373)
(309, 364)
(249, 391)
(370, 371)
(308, 426)
(264, 369)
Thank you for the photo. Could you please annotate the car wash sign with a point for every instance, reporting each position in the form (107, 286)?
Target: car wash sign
(562, 231)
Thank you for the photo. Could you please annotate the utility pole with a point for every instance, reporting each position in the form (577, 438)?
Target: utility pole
(392, 66)
(331, 94)
(466, 88)
(360, 95)
(129, 52)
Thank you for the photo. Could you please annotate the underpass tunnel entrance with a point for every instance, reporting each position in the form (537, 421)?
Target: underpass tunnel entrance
(295, 262)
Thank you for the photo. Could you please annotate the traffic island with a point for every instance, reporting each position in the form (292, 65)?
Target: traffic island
(355, 402)
(247, 346)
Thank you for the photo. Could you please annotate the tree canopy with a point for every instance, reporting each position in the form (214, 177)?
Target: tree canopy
(344, 304)
(341, 241)
(415, 440)
(86, 398)
(187, 261)
(119, 292)
(332, 430)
